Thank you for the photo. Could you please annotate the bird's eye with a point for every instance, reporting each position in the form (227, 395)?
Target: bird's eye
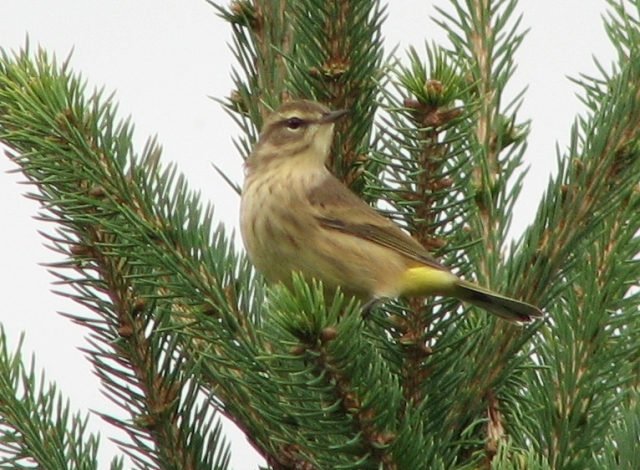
(294, 123)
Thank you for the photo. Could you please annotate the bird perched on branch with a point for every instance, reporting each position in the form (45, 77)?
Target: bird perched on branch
(295, 216)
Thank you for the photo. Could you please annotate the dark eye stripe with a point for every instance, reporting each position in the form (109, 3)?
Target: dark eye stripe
(294, 123)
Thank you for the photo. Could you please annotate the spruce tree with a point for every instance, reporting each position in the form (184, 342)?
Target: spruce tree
(181, 327)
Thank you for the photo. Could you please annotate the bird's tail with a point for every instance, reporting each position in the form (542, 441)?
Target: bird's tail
(508, 309)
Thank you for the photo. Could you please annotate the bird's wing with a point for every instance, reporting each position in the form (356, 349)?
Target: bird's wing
(337, 208)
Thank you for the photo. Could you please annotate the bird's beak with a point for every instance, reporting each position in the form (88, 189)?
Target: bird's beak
(332, 116)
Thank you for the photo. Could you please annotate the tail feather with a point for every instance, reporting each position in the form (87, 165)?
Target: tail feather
(508, 309)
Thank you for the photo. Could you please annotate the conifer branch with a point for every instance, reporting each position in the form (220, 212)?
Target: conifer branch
(91, 185)
(36, 426)
(484, 150)
(586, 248)
(336, 59)
(181, 328)
(485, 38)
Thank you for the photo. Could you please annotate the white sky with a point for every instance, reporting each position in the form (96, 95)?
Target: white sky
(164, 58)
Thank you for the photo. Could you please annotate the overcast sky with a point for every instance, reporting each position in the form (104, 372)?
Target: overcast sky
(164, 59)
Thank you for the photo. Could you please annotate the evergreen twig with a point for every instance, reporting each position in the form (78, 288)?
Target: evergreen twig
(181, 328)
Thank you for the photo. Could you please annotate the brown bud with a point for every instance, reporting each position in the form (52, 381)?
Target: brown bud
(413, 104)
(351, 402)
(444, 183)
(367, 415)
(96, 191)
(146, 421)
(328, 334)
(78, 250)
(126, 331)
(297, 350)
(433, 87)
(383, 438)
(426, 350)
(138, 305)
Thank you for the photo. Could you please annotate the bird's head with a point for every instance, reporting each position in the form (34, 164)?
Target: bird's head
(300, 130)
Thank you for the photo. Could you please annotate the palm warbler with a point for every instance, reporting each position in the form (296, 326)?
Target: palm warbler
(296, 216)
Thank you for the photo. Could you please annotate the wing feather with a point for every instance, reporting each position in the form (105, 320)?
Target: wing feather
(337, 208)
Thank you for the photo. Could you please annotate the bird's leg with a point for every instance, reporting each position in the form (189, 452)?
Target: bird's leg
(367, 307)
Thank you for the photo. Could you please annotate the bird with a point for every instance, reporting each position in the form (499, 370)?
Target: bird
(297, 217)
